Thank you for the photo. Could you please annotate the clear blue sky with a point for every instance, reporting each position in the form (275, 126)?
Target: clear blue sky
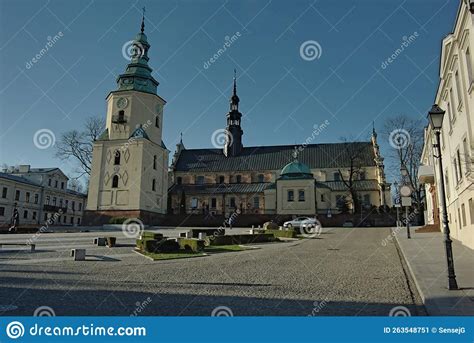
(282, 95)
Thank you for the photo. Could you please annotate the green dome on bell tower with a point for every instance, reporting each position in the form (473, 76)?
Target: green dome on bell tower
(137, 75)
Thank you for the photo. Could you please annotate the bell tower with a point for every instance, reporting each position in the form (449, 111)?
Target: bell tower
(129, 164)
(234, 132)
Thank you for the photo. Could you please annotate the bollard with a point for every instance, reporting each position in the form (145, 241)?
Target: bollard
(78, 254)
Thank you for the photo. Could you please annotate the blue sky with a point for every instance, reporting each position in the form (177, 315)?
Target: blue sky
(282, 95)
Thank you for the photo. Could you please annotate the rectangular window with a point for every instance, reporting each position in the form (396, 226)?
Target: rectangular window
(337, 176)
(179, 180)
(322, 198)
(261, 178)
(213, 203)
(458, 87)
(48, 199)
(25, 214)
(291, 196)
(66, 204)
(73, 205)
(49, 182)
(456, 169)
(256, 202)
(62, 185)
(367, 199)
(221, 179)
(80, 206)
(34, 215)
(2, 211)
(54, 201)
(78, 221)
(463, 211)
(17, 195)
(194, 203)
(459, 164)
(36, 198)
(64, 219)
(301, 195)
(467, 157)
(459, 217)
(238, 178)
(200, 180)
(72, 220)
(4, 192)
(453, 107)
(45, 217)
(27, 196)
(362, 175)
(232, 202)
(56, 184)
(471, 210)
(469, 66)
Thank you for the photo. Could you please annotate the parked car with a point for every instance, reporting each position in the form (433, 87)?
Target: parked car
(296, 223)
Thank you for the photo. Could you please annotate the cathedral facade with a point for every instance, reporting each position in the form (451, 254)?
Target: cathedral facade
(281, 180)
(130, 161)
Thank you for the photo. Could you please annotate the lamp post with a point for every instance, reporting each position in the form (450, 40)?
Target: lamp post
(397, 202)
(436, 115)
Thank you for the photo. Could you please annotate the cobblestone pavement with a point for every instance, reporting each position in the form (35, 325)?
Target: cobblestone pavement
(344, 271)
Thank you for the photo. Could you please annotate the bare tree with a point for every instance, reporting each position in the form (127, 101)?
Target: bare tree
(354, 153)
(77, 145)
(406, 138)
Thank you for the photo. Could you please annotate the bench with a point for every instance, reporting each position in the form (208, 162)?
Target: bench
(31, 245)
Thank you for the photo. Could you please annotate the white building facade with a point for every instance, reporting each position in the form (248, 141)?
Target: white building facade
(455, 95)
(39, 194)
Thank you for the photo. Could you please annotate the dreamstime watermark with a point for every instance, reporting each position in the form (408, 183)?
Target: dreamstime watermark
(49, 44)
(222, 311)
(228, 41)
(132, 228)
(399, 139)
(310, 50)
(50, 221)
(141, 306)
(132, 49)
(397, 230)
(317, 129)
(141, 130)
(220, 137)
(15, 330)
(399, 311)
(44, 311)
(318, 307)
(407, 41)
(44, 139)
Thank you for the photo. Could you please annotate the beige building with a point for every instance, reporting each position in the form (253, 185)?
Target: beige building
(284, 180)
(39, 194)
(455, 96)
(130, 160)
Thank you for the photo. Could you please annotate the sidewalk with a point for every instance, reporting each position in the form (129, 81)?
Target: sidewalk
(425, 256)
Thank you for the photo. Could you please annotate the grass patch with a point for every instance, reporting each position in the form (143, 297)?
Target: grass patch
(171, 256)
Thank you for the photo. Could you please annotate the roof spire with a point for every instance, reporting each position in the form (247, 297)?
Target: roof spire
(234, 100)
(235, 82)
(143, 20)
(181, 139)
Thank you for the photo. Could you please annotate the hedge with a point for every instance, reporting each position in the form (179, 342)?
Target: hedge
(241, 239)
(191, 244)
(161, 246)
(151, 235)
(209, 232)
(283, 233)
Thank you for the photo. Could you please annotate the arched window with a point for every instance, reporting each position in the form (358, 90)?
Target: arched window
(121, 117)
(153, 185)
(117, 158)
(154, 162)
(115, 181)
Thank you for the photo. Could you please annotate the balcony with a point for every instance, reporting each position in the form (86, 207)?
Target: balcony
(426, 174)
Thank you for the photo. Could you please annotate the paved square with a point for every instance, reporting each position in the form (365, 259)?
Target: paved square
(345, 271)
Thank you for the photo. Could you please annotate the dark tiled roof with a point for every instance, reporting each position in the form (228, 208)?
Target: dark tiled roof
(335, 155)
(228, 188)
(360, 185)
(18, 179)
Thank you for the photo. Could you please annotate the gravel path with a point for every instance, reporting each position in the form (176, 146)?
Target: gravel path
(343, 272)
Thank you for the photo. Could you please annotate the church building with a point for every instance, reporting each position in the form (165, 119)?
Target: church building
(282, 180)
(129, 176)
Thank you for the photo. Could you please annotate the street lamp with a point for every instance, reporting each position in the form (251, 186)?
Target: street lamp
(436, 115)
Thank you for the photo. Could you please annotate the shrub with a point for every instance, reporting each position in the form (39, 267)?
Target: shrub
(283, 233)
(161, 246)
(191, 244)
(117, 220)
(151, 235)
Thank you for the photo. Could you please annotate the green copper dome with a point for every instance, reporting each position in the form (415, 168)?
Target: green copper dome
(294, 170)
